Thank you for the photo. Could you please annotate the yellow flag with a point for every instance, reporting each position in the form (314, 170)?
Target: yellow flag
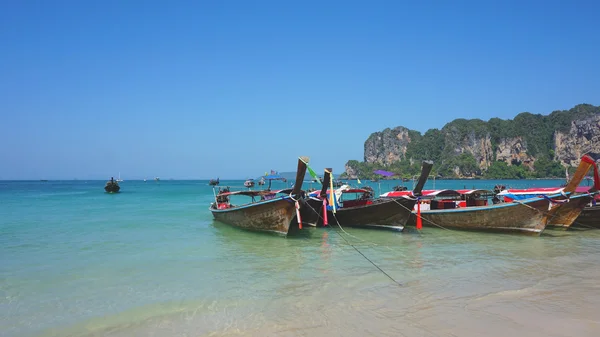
(358, 180)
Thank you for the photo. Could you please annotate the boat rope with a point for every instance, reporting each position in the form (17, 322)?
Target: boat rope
(363, 255)
(355, 248)
(533, 208)
(357, 238)
(582, 225)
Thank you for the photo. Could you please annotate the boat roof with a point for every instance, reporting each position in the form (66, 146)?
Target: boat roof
(536, 190)
(252, 193)
(542, 190)
(348, 190)
(424, 193)
(477, 191)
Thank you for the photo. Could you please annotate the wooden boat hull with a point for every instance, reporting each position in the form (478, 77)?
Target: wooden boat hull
(273, 216)
(382, 214)
(564, 215)
(588, 218)
(114, 188)
(527, 217)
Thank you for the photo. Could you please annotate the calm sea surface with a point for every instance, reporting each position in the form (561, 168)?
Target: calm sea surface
(150, 261)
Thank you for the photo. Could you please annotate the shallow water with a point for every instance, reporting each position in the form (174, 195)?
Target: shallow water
(150, 261)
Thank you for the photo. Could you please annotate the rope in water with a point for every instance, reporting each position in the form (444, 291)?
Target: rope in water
(356, 237)
(355, 248)
(363, 255)
(321, 217)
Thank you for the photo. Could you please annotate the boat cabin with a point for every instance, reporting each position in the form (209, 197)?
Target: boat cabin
(446, 199)
(347, 196)
(470, 198)
(223, 198)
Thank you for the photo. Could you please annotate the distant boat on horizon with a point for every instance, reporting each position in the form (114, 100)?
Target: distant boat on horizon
(156, 178)
(112, 186)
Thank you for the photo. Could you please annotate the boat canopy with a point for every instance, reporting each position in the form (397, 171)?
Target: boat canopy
(251, 193)
(477, 193)
(529, 191)
(343, 190)
(543, 190)
(426, 194)
(384, 173)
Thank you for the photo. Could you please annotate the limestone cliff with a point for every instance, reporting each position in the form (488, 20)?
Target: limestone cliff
(582, 137)
(514, 151)
(471, 148)
(387, 146)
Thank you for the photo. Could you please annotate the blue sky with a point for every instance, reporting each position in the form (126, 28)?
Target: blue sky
(234, 88)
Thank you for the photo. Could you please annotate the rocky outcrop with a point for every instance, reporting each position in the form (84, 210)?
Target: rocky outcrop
(479, 147)
(514, 151)
(467, 148)
(387, 146)
(351, 173)
(583, 137)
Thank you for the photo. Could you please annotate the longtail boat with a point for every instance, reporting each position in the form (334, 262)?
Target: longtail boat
(112, 186)
(442, 209)
(274, 211)
(567, 207)
(332, 206)
(568, 201)
(528, 216)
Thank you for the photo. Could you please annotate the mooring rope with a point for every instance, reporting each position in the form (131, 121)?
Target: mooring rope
(355, 248)
(321, 217)
(363, 255)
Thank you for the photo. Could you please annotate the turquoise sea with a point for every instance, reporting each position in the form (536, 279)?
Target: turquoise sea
(150, 261)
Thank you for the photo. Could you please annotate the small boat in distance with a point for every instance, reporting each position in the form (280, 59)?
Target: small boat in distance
(249, 183)
(112, 186)
(214, 182)
(156, 178)
(275, 211)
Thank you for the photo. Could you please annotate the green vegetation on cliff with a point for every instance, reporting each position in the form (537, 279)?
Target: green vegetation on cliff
(511, 149)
